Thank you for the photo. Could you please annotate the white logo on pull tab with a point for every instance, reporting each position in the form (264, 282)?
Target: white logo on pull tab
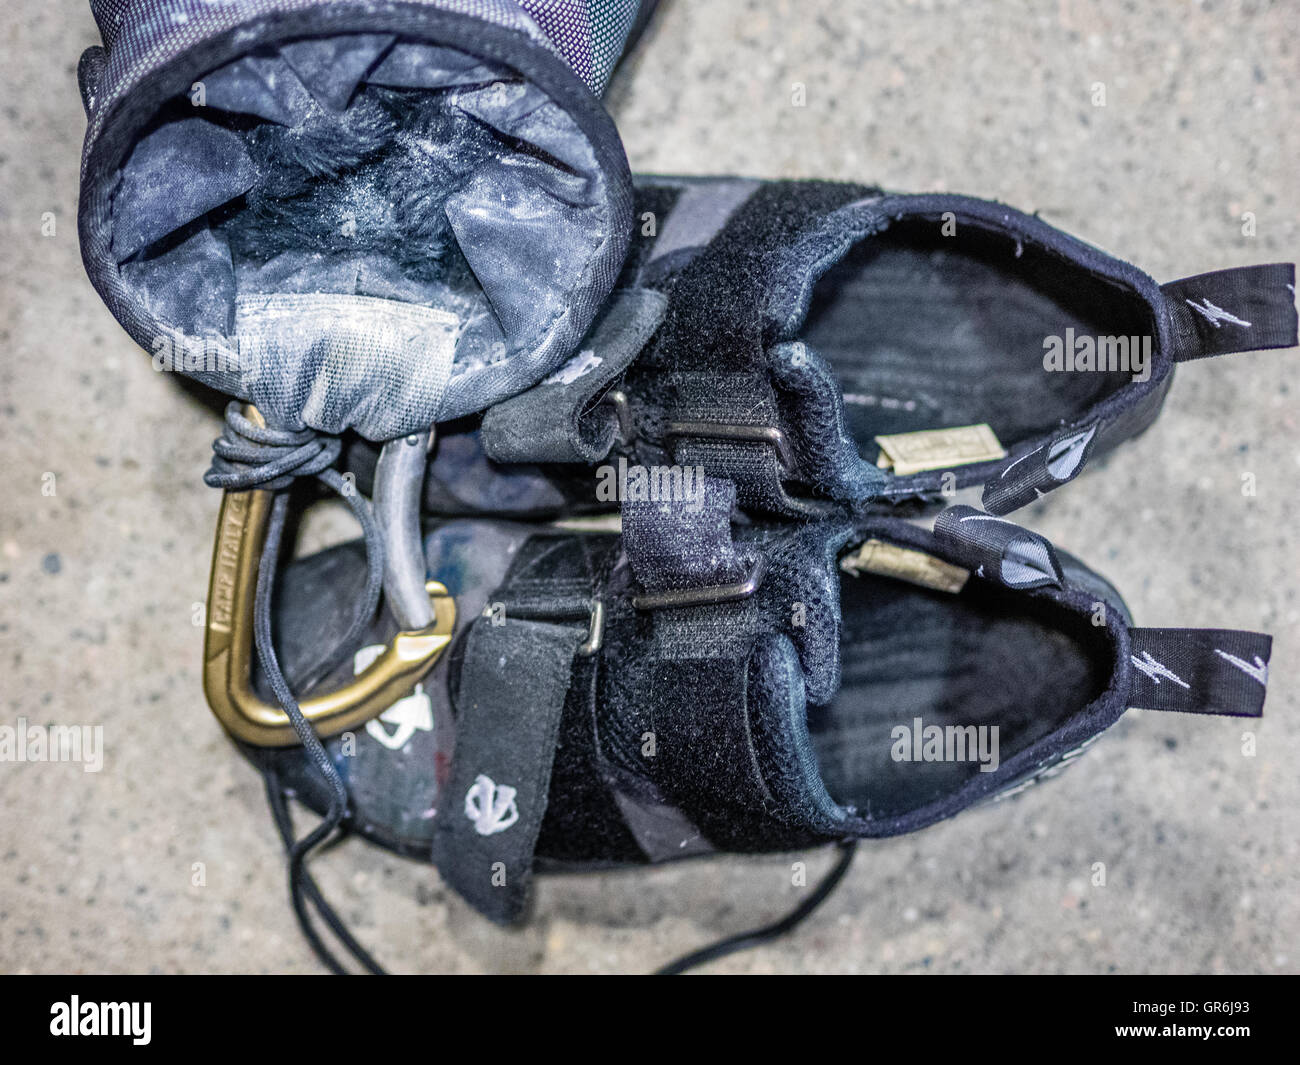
(1155, 670)
(1214, 315)
(490, 806)
(1259, 671)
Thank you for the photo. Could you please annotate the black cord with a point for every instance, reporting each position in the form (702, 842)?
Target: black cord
(247, 456)
(302, 887)
(757, 936)
(277, 796)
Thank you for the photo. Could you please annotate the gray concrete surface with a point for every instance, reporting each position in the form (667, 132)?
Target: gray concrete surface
(98, 581)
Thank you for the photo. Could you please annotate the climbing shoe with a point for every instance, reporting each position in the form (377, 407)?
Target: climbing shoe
(693, 687)
(829, 346)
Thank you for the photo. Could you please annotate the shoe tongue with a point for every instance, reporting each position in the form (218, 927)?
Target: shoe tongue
(824, 241)
(777, 718)
(795, 667)
(810, 392)
(799, 599)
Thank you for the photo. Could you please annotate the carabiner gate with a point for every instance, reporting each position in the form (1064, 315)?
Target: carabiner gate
(228, 644)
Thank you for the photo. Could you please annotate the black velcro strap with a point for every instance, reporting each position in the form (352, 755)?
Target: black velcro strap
(512, 691)
(679, 544)
(561, 419)
(997, 550)
(708, 762)
(697, 214)
(717, 318)
(705, 752)
(706, 381)
(1200, 671)
(1249, 308)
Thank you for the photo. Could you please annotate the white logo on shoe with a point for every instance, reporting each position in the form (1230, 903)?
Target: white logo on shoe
(1259, 671)
(490, 806)
(410, 715)
(1155, 670)
(1214, 315)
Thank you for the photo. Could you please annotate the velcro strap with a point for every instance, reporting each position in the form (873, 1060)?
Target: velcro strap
(1200, 671)
(717, 318)
(714, 756)
(562, 418)
(1246, 309)
(705, 392)
(684, 544)
(705, 752)
(997, 550)
(698, 212)
(512, 692)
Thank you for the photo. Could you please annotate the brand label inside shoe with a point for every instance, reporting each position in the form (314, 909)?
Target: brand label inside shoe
(905, 564)
(937, 449)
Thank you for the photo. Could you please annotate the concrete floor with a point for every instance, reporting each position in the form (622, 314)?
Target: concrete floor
(99, 581)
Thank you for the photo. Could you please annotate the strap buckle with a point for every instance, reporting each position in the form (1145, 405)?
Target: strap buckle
(770, 435)
(593, 610)
(228, 642)
(750, 434)
(617, 399)
(711, 595)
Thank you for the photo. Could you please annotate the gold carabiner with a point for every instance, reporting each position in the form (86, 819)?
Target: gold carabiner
(228, 644)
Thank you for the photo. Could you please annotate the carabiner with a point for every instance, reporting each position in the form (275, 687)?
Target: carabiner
(228, 644)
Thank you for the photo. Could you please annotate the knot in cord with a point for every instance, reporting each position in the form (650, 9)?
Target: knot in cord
(247, 455)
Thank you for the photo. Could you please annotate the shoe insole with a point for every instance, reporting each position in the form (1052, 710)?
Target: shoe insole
(983, 657)
(929, 332)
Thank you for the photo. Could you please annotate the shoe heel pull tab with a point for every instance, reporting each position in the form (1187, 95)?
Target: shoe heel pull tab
(997, 550)
(1048, 466)
(1199, 671)
(1249, 308)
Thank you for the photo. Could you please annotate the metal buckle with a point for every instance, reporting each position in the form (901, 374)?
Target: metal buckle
(713, 594)
(228, 643)
(595, 630)
(756, 434)
(751, 434)
(593, 611)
